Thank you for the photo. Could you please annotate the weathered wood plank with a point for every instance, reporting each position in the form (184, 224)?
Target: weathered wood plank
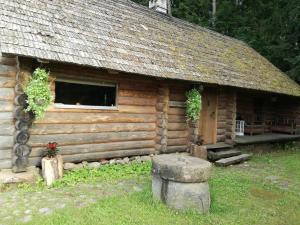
(6, 141)
(138, 94)
(6, 129)
(5, 164)
(176, 119)
(177, 134)
(6, 106)
(8, 71)
(90, 128)
(76, 118)
(103, 147)
(136, 101)
(176, 111)
(177, 126)
(7, 82)
(177, 142)
(74, 139)
(171, 149)
(7, 94)
(179, 104)
(5, 154)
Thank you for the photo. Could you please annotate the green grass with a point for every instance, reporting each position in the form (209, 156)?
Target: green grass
(241, 195)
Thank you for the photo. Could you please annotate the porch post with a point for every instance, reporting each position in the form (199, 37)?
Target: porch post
(231, 117)
(162, 107)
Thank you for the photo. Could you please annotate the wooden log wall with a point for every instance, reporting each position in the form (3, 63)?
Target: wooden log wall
(87, 134)
(8, 72)
(226, 116)
(178, 131)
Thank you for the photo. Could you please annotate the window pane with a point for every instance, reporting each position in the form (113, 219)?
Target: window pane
(84, 94)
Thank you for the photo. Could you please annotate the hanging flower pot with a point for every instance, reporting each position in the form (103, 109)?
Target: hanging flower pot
(52, 164)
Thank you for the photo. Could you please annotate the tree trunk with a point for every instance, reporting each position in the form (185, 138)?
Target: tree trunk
(52, 169)
(214, 10)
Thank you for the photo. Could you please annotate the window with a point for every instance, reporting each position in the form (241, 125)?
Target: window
(86, 95)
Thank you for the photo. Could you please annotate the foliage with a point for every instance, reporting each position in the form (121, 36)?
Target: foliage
(240, 195)
(104, 173)
(272, 27)
(193, 104)
(38, 93)
(51, 150)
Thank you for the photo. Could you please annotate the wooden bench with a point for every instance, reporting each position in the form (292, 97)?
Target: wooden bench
(285, 125)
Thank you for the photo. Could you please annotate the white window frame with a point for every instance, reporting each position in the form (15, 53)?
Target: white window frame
(96, 83)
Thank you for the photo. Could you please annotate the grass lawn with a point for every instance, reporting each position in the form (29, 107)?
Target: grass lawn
(265, 191)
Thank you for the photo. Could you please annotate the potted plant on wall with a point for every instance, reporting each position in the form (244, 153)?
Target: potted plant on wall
(52, 164)
(193, 109)
(33, 96)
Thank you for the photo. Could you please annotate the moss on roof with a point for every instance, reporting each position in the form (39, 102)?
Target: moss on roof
(122, 35)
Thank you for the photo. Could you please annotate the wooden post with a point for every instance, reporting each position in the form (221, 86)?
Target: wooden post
(231, 117)
(162, 118)
(23, 121)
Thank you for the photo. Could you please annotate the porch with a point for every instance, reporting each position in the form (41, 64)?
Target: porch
(265, 138)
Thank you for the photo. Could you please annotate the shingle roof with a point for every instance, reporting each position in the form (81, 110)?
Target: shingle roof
(122, 35)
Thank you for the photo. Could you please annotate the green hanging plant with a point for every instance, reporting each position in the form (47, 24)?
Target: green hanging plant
(193, 104)
(38, 93)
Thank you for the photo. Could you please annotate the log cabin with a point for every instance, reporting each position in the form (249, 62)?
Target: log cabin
(119, 72)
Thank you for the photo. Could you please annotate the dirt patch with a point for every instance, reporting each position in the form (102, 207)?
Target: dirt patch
(264, 194)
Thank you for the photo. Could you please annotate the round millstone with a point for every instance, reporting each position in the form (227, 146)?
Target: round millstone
(185, 169)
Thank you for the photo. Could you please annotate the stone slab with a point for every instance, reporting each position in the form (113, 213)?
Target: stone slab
(182, 196)
(9, 177)
(212, 155)
(233, 160)
(186, 169)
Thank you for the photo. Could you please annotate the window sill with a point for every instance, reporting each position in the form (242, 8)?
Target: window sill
(62, 106)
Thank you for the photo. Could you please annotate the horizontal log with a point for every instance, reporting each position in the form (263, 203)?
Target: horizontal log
(6, 129)
(8, 71)
(5, 164)
(7, 82)
(98, 155)
(86, 138)
(171, 149)
(177, 134)
(5, 154)
(176, 119)
(177, 142)
(9, 61)
(135, 93)
(179, 104)
(176, 111)
(120, 109)
(103, 147)
(122, 100)
(6, 141)
(7, 94)
(6, 116)
(6, 106)
(76, 118)
(136, 86)
(90, 128)
(177, 97)
(177, 126)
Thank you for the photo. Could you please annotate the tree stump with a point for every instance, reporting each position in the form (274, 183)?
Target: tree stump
(52, 169)
(198, 151)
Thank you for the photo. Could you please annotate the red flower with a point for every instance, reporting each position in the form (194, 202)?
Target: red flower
(52, 145)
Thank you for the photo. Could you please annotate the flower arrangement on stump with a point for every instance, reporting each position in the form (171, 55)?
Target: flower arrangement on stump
(193, 110)
(52, 164)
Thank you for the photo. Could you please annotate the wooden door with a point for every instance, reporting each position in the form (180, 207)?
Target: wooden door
(208, 118)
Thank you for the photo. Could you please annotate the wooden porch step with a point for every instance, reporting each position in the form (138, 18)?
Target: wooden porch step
(216, 155)
(233, 160)
(218, 146)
